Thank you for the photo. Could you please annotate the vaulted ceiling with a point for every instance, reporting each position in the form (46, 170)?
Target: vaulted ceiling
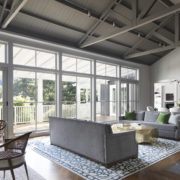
(140, 31)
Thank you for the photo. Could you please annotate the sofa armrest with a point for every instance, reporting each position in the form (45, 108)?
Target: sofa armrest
(177, 134)
(178, 123)
(121, 146)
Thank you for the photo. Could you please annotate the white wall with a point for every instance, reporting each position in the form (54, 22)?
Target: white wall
(167, 68)
(145, 88)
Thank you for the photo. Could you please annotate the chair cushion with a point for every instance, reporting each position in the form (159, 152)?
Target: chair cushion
(163, 118)
(151, 116)
(15, 162)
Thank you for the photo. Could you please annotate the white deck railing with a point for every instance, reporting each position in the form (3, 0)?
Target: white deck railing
(26, 114)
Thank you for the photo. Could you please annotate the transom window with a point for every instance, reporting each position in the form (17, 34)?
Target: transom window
(74, 64)
(31, 57)
(128, 73)
(2, 52)
(106, 69)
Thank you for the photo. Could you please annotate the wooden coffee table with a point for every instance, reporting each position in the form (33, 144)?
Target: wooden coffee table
(144, 133)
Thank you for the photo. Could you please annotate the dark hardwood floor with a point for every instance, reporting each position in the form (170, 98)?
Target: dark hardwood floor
(51, 171)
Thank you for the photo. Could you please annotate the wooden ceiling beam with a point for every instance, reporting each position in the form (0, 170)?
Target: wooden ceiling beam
(3, 10)
(145, 21)
(13, 12)
(152, 51)
(163, 38)
(156, 28)
(99, 21)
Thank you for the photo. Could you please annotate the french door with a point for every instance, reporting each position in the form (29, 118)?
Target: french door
(34, 97)
(129, 97)
(3, 95)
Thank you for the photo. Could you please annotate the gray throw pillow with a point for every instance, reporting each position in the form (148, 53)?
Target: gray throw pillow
(174, 118)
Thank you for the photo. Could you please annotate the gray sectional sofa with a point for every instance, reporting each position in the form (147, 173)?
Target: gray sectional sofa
(170, 131)
(93, 140)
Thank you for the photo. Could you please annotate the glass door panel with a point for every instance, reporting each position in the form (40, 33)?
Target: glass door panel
(76, 97)
(124, 98)
(106, 100)
(83, 98)
(3, 99)
(1, 95)
(132, 97)
(24, 97)
(45, 99)
(69, 97)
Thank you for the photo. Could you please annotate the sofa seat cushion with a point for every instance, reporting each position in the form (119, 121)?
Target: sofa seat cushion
(130, 121)
(164, 127)
(151, 116)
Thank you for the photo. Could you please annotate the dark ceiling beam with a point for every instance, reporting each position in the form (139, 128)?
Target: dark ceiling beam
(13, 12)
(135, 10)
(177, 27)
(128, 7)
(84, 10)
(104, 15)
(123, 18)
(145, 21)
(146, 10)
(148, 52)
(166, 3)
(3, 10)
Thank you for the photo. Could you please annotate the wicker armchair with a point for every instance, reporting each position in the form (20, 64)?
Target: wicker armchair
(13, 155)
(2, 127)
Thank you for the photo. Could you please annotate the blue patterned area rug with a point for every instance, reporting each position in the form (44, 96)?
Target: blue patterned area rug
(148, 155)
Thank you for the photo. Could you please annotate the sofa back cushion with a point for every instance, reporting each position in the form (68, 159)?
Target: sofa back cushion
(174, 118)
(139, 115)
(151, 116)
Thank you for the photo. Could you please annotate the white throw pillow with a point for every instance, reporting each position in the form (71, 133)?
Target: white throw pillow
(174, 118)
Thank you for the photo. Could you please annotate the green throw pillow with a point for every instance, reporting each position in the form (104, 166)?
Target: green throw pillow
(163, 118)
(129, 116)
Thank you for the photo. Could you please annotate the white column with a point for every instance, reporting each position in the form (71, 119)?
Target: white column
(39, 100)
(176, 94)
(78, 100)
(9, 132)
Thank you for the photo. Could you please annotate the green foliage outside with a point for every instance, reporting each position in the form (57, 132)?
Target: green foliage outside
(69, 92)
(48, 92)
(25, 91)
(20, 101)
(25, 87)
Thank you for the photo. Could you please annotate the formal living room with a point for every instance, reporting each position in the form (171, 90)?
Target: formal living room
(90, 89)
